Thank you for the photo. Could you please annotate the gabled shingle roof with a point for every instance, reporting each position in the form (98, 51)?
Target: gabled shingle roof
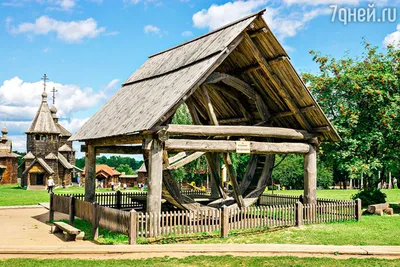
(43, 121)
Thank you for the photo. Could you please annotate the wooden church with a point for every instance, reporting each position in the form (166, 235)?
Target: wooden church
(49, 153)
(8, 160)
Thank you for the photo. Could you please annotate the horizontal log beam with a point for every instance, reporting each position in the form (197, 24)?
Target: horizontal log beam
(228, 130)
(322, 129)
(233, 120)
(176, 145)
(119, 140)
(115, 149)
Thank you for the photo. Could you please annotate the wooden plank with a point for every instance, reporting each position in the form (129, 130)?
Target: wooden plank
(290, 113)
(242, 131)
(115, 149)
(232, 176)
(191, 157)
(155, 182)
(210, 108)
(177, 145)
(276, 82)
(177, 157)
(119, 140)
(90, 177)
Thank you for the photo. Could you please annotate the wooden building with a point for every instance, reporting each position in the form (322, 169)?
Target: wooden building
(142, 174)
(244, 96)
(49, 151)
(8, 160)
(104, 176)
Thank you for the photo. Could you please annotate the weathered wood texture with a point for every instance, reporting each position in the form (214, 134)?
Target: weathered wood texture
(230, 146)
(115, 149)
(169, 78)
(310, 176)
(90, 179)
(223, 130)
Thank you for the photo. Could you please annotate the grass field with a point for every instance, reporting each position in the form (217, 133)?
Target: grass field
(13, 195)
(205, 261)
(393, 195)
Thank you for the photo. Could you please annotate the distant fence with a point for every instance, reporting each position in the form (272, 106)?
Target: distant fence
(146, 225)
(280, 199)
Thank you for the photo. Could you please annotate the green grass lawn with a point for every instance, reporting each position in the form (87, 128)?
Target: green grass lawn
(13, 195)
(205, 261)
(393, 195)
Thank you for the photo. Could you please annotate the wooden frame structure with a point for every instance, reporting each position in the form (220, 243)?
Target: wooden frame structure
(243, 96)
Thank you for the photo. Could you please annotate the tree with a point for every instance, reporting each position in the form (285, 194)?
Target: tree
(361, 97)
(290, 172)
(125, 168)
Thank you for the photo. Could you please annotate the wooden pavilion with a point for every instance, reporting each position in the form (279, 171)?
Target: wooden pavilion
(244, 96)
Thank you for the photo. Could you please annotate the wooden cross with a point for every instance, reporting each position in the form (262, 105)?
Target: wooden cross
(45, 79)
(54, 91)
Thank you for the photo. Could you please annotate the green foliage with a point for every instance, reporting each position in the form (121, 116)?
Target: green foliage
(370, 196)
(21, 162)
(290, 173)
(113, 161)
(361, 97)
(125, 168)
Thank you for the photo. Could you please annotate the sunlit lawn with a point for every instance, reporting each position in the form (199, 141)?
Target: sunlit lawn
(13, 195)
(393, 195)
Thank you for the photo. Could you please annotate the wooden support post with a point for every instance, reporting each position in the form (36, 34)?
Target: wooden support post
(133, 227)
(72, 211)
(358, 210)
(90, 179)
(232, 176)
(299, 214)
(95, 221)
(216, 188)
(224, 221)
(155, 183)
(51, 209)
(310, 176)
(118, 199)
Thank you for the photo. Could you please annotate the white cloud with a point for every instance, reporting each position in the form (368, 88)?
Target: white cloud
(393, 38)
(151, 29)
(284, 22)
(69, 31)
(20, 100)
(322, 2)
(187, 34)
(73, 124)
(112, 84)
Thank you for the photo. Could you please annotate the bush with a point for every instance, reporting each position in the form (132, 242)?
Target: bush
(370, 196)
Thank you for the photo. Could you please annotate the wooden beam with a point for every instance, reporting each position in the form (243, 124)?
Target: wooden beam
(115, 149)
(232, 176)
(155, 172)
(290, 113)
(191, 157)
(233, 120)
(322, 129)
(177, 145)
(210, 108)
(310, 176)
(90, 176)
(177, 157)
(256, 33)
(118, 140)
(276, 82)
(234, 130)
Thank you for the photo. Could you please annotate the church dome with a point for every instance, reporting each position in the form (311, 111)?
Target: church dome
(53, 109)
(4, 130)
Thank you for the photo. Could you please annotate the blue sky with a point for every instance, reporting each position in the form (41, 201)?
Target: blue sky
(89, 47)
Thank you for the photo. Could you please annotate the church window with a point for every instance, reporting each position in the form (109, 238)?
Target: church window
(43, 138)
(37, 137)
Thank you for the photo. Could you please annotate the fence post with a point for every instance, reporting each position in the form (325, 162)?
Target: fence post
(301, 199)
(72, 210)
(358, 209)
(299, 214)
(118, 200)
(133, 227)
(51, 209)
(95, 222)
(224, 221)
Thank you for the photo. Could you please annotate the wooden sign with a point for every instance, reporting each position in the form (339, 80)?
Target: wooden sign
(243, 147)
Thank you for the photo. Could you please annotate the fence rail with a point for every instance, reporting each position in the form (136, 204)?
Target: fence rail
(146, 225)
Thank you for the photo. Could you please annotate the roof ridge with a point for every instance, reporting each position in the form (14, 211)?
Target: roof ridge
(209, 33)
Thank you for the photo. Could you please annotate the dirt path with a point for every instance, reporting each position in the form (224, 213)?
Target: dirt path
(28, 227)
